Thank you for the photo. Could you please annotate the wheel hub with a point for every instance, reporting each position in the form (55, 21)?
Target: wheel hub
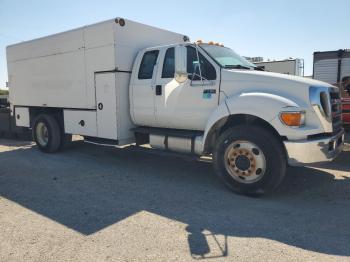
(242, 162)
(245, 161)
(42, 134)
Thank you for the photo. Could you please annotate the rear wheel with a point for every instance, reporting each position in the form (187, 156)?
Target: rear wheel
(250, 160)
(47, 133)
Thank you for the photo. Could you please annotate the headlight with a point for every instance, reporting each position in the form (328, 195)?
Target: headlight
(293, 119)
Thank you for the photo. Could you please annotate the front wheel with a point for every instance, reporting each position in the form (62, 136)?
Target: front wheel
(250, 160)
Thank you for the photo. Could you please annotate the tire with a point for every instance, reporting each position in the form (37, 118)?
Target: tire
(250, 160)
(47, 133)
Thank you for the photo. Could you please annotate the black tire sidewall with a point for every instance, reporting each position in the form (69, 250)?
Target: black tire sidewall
(273, 152)
(54, 133)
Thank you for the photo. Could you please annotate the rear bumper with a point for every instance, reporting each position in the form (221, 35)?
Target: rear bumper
(314, 150)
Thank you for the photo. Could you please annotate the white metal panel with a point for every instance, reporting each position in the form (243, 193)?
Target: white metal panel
(99, 53)
(55, 81)
(80, 122)
(58, 70)
(326, 70)
(98, 35)
(22, 116)
(133, 37)
(68, 41)
(97, 59)
(185, 106)
(124, 122)
(142, 98)
(106, 100)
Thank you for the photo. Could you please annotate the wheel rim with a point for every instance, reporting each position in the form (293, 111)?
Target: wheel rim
(245, 162)
(42, 134)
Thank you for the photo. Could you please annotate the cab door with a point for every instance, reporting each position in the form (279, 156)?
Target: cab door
(187, 105)
(143, 88)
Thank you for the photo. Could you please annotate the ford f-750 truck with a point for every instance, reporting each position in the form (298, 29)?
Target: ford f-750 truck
(123, 82)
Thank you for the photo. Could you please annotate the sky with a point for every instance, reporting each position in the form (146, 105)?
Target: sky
(273, 29)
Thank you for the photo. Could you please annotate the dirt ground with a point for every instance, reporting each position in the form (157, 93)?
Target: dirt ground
(96, 203)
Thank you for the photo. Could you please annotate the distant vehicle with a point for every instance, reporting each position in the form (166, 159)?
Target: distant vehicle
(334, 67)
(287, 66)
(121, 82)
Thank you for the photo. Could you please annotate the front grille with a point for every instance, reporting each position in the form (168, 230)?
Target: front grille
(336, 111)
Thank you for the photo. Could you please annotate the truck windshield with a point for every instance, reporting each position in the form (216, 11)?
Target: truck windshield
(226, 57)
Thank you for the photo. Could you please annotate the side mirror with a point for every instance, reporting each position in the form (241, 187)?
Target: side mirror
(180, 63)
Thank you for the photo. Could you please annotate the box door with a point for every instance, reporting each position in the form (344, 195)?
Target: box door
(106, 101)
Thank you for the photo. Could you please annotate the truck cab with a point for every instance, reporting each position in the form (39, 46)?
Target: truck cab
(210, 89)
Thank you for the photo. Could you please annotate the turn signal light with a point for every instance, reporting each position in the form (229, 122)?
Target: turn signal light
(293, 119)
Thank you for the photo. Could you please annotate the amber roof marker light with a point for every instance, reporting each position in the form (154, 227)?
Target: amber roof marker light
(199, 41)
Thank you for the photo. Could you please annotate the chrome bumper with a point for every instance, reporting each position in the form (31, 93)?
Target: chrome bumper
(314, 150)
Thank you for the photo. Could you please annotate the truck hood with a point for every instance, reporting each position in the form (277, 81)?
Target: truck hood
(235, 82)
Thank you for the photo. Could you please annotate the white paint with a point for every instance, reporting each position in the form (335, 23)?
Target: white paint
(22, 116)
(106, 99)
(60, 68)
(180, 106)
(80, 122)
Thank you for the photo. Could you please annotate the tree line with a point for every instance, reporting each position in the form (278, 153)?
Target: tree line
(4, 92)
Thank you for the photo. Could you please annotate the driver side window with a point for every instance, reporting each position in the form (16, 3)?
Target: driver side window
(207, 69)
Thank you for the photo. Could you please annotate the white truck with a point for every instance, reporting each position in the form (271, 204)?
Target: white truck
(124, 82)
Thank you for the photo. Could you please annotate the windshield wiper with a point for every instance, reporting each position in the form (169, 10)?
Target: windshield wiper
(236, 67)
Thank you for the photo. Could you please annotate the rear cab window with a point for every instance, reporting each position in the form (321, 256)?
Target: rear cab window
(148, 62)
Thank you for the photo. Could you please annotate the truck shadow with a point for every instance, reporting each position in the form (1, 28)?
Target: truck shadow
(89, 188)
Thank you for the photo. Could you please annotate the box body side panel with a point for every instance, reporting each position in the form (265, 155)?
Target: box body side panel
(58, 70)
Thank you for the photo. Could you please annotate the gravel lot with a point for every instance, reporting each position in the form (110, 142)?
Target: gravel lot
(93, 203)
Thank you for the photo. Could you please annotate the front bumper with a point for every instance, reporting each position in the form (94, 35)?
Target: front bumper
(314, 150)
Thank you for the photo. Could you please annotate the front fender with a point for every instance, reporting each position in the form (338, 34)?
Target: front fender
(262, 105)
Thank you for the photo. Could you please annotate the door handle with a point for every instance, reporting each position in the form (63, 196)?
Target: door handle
(158, 90)
(100, 106)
